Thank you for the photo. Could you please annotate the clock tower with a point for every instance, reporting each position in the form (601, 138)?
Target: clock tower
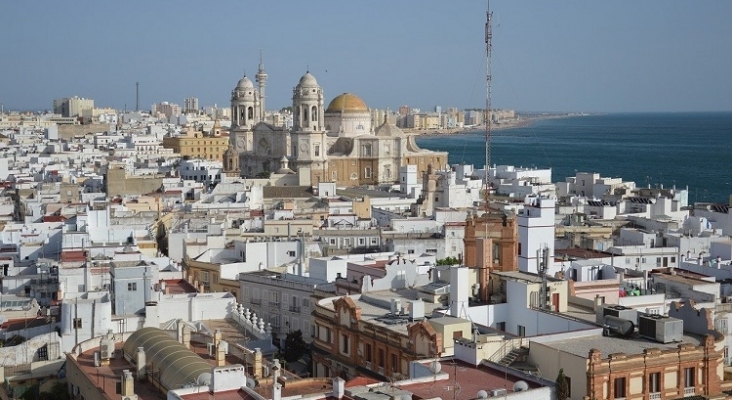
(308, 132)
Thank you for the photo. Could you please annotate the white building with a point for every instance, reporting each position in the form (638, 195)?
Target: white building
(536, 233)
(207, 172)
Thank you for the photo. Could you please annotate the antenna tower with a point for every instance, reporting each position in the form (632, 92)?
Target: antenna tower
(137, 96)
(488, 79)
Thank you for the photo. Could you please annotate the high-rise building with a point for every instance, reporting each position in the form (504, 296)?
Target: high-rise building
(72, 106)
(168, 109)
(190, 104)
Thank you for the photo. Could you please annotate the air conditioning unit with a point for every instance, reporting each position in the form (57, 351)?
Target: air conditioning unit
(660, 328)
(498, 392)
(617, 311)
(105, 352)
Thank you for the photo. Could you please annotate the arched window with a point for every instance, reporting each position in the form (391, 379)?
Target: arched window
(250, 112)
(314, 113)
(305, 114)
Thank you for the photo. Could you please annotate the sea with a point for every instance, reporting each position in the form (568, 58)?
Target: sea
(681, 149)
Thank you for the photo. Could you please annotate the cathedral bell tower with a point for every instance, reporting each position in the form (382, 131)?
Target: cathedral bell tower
(308, 132)
(244, 114)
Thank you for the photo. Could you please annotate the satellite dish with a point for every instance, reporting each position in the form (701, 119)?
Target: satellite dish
(251, 383)
(520, 386)
(482, 394)
(435, 367)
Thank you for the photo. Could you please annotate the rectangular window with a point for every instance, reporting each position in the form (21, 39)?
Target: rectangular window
(367, 172)
(654, 382)
(328, 339)
(521, 330)
(380, 358)
(345, 344)
(619, 388)
(291, 253)
(132, 287)
(689, 377)
(77, 323)
(394, 363)
(367, 352)
(317, 150)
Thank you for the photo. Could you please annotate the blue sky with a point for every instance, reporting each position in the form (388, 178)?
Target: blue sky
(595, 56)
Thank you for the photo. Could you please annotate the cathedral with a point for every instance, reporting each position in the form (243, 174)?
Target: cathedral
(334, 144)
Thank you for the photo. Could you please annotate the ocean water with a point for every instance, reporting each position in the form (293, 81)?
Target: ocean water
(682, 149)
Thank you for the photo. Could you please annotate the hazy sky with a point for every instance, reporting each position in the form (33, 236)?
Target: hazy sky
(548, 56)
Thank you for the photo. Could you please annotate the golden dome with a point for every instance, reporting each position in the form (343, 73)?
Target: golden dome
(347, 102)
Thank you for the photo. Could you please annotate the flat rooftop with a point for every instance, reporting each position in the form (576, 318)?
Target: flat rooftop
(524, 276)
(581, 345)
(464, 382)
(179, 286)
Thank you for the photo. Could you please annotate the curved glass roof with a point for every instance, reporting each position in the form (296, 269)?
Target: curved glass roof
(178, 366)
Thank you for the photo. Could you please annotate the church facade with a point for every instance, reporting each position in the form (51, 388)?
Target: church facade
(334, 144)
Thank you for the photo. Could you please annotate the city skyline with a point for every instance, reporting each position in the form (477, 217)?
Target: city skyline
(570, 56)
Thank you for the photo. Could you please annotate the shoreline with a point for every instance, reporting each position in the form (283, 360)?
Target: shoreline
(517, 123)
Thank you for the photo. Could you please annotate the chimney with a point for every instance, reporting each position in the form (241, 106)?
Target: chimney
(276, 370)
(598, 302)
(179, 327)
(220, 349)
(257, 363)
(339, 387)
(128, 384)
(187, 337)
(277, 387)
(141, 363)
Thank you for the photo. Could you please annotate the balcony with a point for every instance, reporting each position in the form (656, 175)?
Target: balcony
(654, 396)
(295, 309)
(275, 304)
(689, 391)
(255, 301)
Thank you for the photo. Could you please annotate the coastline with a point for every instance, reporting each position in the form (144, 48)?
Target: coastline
(510, 124)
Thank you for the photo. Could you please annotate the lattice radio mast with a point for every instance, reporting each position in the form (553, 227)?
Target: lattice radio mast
(488, 79)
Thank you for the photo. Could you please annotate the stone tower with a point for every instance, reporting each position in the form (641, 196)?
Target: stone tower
(308, 132)
(244, 114)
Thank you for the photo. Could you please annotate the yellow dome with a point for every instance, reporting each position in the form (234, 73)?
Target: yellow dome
(347, 102)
